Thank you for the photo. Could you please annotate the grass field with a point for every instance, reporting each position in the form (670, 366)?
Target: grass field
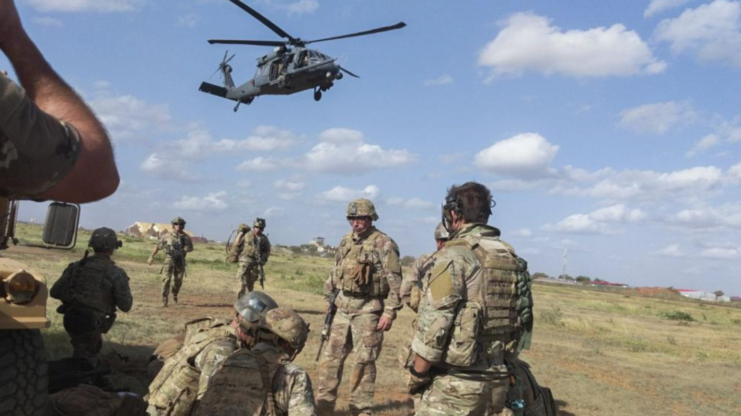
(601, 353)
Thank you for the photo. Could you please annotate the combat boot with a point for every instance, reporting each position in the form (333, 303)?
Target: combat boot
(164, 302)
(175, 299)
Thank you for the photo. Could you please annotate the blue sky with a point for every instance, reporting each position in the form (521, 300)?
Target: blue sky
(611, 128)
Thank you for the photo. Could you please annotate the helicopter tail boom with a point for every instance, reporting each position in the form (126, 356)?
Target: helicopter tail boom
(213, 89)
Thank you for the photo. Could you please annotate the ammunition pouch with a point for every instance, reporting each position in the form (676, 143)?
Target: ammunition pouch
(357, 270)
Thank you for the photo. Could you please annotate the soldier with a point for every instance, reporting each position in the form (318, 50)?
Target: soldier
(176, 245)
(255, 251)
(412, 286)
(185, 376)
(90, 290)
(367, 274)
(51, 145)
(252, 307)
(263, 380)
(476, 311)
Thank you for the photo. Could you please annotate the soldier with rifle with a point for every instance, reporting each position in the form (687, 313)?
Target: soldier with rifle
(90, 290)
(176, 245)
(254, 249)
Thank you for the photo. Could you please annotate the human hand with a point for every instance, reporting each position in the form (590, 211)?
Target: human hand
(10, 22)
(384, 324)
(150, 260)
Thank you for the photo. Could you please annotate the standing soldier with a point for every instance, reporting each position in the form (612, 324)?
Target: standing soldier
(476, 311)
(90, 290)
(176, 245)
(412, 285)
(185, 376)
(367, 274)
(263, 380)
(255, 248)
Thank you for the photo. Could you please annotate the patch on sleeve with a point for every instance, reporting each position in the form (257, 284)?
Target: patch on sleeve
(441, 282)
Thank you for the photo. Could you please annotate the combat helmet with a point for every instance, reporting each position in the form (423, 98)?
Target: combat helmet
(104, 239)
(441, 233)
(254, 305)
(178, 221)
(259, 223)
(289, 326)
(362, 208)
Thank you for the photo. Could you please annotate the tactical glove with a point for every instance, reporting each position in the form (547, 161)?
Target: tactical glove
(416, 382)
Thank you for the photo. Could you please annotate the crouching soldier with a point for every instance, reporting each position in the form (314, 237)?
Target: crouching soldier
(185, 376)
(263, 380)
(90, 290)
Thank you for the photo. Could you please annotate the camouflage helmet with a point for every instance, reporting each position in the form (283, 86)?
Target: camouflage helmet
(178, 221)
(362, 208)
(254, 305)
(259, 223)
(289, 326)
(104, 239)
(441, 233)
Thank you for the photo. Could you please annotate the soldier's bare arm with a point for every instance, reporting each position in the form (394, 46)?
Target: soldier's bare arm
(94, 175)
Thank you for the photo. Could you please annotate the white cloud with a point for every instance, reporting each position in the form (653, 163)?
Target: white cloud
(302, 7)
(413, 203)
(244, 183)
(188, 20)
(707, 142)
(439, 81)
(720, 253)
(525, 156)
(343, 151)
(86, 5)
(656, 118)
(259, 164)
(264, 139)
(127, 117)
(598, 221)
(167, 168)
(711, 32)
(274, 212)
(708, 218)
(658, 6)
(734, 173)
(670, 251)
(342, 194)
(48, 21)
(213, 202)
(529, 42)
(525, 232)
(289, 185)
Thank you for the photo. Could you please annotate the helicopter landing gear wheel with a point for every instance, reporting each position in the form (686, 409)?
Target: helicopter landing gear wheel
(317, 95)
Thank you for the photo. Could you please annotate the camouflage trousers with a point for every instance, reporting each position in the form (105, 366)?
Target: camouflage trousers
(247, 275)
(172, 275)
(84, 329)
(359, 335)
(449, 395)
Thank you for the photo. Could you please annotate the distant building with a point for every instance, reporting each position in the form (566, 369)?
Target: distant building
(155, 230)
(735, 298)
(702, 295)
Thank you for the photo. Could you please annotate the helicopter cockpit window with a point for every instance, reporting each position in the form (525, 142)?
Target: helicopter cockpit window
(303, 59)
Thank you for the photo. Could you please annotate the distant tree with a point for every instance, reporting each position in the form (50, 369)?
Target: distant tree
(407, 261)
(539, 275)
(597, 279)
(565, 277)
(583, 279)
(719, 293)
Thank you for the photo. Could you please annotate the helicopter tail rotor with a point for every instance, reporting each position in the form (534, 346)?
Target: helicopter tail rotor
(223, 66)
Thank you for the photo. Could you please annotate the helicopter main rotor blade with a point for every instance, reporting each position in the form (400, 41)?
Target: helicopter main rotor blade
(367, 32)
(248, 42)
(348, 72)
(264, 20)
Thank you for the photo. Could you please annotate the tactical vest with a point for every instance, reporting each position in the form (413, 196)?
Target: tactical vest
(359, 269)
(251, 246)
(91, 287)
(242, 386)
(502, 311)
(175, 388)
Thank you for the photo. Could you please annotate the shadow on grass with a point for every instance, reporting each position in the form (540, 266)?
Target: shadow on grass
(397, 405)
(560, 404)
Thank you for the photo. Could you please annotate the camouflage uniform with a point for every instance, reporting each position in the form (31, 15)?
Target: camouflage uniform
(236, 388)
(176, 247)
(412, 285)
(36, 150)
(90, 290)
(184, 378)
(255, 253)
(373, 258)
(475, 311)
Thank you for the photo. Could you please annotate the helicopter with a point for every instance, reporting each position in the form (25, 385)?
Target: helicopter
(288, 69)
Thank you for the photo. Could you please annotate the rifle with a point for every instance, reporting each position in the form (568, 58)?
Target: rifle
(328, 321)
(257, 242)
(262, 276)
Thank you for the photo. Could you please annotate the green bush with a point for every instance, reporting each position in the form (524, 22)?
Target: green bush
(678, 316)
